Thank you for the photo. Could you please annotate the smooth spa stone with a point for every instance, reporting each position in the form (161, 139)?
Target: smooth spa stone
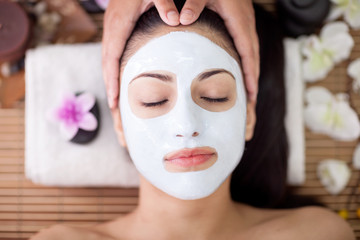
(102, 3)
(83, 136)
(302, 17)
(14, 31)
(91, 6)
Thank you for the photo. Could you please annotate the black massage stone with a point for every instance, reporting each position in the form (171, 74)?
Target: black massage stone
(90, 6)
(302, 17)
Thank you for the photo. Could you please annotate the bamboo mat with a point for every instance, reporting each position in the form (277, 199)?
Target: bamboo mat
(25, 207)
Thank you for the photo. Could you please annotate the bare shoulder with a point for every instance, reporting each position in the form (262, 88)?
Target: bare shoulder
(297, 224)
(118, 228)
(62, 232)
(317, 223)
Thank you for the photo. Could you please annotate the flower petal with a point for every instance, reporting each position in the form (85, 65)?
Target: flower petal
(67, 96)
(331, 115)
(68, 131)
(346, 125)
(88, 122)
(352, 14)
(318, 95)
(334, 45)
(316, 67)
(354, 69)
(337, 40)
(334, 175)
(332, 29)
(318, 62)
(339, 46)
(340, 2)
(335, 13)
(318, 118)
(86, 101)
(310, 44)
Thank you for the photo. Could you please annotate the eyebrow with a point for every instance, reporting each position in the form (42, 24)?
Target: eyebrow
(210, 73)
(162, 77)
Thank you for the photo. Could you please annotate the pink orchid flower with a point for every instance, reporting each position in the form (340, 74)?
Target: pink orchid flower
(74, 114)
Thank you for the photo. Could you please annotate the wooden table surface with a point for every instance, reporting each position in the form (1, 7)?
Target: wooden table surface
(26, 207)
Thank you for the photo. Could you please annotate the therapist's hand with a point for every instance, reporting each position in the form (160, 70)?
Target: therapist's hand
(121, 16)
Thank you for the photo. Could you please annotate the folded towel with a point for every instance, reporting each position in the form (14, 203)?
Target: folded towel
(49, 159)
(294, 119)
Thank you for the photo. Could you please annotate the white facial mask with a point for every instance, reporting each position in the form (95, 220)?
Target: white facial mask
(185, 54)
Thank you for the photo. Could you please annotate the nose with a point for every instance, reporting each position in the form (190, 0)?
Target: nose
(195, 134)
(187, 122)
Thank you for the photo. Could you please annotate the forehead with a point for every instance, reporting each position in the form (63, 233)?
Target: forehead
(180, 53)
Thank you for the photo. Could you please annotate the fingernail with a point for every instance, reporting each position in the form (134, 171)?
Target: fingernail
(186, 16)
(173, 17)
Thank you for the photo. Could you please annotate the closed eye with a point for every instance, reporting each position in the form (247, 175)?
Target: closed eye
(215, 100)
(155, 104)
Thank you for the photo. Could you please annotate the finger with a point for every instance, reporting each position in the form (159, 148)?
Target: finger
(110, 68)
(255, 41)
(239, 19)
(117, 28)
(250, 63)
(167, 11)
(251, 78)
(191, 11)
(256, 53)
(251, 66)
(116, 115)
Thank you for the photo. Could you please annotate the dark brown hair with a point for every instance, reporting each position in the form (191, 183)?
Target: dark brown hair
(260, 178)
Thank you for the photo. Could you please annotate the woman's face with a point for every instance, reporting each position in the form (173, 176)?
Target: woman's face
(183, 110)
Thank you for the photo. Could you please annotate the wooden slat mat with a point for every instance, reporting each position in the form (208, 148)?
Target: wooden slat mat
(26, 207)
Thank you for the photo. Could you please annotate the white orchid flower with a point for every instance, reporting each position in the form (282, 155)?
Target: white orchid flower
(334, 175)
(321, 53)
(354, 71)
(331, 115)
(318, 63)
(349, 9)
(356, 157)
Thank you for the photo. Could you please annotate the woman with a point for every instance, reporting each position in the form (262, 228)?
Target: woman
(184, 119)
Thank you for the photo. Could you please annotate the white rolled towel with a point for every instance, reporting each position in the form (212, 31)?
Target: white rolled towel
(49, 159)
(294, 119)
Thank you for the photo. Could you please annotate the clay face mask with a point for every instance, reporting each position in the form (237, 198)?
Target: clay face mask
(183, 109)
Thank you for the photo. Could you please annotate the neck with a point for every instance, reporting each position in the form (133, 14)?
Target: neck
(199, 218)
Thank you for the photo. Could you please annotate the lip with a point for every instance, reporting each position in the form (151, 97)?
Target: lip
(190, 159)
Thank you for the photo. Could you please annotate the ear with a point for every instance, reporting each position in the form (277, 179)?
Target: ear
(250, 120)
(118, 126)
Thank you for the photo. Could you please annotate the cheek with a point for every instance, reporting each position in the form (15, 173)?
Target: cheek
(228, 128)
